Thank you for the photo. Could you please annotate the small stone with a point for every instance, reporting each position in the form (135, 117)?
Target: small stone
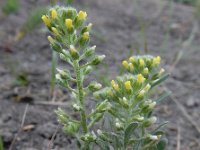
(191, 102)
(47, 130)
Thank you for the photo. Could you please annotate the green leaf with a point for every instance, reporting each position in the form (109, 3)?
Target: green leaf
(163, 96)
(158, 81)
(128, 131)
(162, 144)
(159, 127)
(1, 144)
(103, 145)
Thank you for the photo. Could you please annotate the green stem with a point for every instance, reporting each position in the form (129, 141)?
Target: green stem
(81, 96)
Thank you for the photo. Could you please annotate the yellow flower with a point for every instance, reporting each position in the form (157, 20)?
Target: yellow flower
(46, 20)
(156, 60)
(125, 64)
(140, 78)
(51, 40)
(132, 59)
(82, 15)
(115, 85)
(86, 36)
(128, 85)
(141, 62)
(54, 14)
(146, 71)
(68, 23)
(131, 67)
(55, 31)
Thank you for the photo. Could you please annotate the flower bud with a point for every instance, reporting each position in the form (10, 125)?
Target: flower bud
(76, 107)
(151, 106)
(82, 15)
(128, 85)
(132, 59)
(153, 137)
(125, 64)
(94, 86)
(124, 102)
(68, 23)
(156, 61)
(147, 88)
(97, 59)
(146, 72)
(141, 95)
(90, 51)
(141, 62)
(86, 28)
(118, 124)
(55, 31)
(51, 40)
(64, 74)
(89, 137)
(149, 121)
(130, 67)
(70, 13)
(46, 20)
(84, 39)
(138, 118)
(115, 85)
(161, 72)
(73, 52)
(140, 78)
(87, 70)
(62, 116)
(55, 45)
(54, 13)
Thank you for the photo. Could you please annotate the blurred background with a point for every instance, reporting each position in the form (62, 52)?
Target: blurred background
(122, 28)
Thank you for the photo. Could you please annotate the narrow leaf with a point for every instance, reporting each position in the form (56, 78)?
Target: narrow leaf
(129, 130)
(158, 81)
(163, 96)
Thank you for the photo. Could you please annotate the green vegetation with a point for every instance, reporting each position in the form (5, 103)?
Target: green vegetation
(122, 117)
(10, 6)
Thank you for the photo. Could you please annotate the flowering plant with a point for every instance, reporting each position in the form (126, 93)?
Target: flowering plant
(122, 116)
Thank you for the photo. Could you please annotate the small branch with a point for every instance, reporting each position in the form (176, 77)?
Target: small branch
(52, 138)
(178, 138)
(20, 129)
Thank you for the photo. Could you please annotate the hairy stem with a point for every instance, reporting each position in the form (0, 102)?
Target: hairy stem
(81, 96)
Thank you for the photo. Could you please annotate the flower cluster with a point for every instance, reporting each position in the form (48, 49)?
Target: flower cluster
(129, 96)
(70, 39)
(126, 103)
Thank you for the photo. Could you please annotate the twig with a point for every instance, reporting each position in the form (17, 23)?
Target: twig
(52, 138)
(178, 138)
(51, 103)
(185, 45)
(20, 129)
